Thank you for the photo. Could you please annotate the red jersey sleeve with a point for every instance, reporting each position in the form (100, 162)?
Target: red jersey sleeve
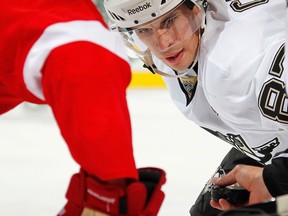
(85, 85)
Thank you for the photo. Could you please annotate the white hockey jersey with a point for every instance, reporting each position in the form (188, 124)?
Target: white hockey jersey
(240, 95)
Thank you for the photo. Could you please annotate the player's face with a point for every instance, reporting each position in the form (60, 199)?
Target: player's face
(173, 38)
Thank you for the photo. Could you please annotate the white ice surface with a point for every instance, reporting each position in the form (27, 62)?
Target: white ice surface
(35, 164)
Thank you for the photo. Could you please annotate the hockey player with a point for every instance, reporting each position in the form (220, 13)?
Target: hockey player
(222, 62)
(60, 53)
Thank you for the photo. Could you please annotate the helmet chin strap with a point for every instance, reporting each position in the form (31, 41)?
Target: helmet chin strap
(186, 71)
(148, 61)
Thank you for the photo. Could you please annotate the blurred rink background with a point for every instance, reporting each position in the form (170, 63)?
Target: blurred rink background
(36, 166)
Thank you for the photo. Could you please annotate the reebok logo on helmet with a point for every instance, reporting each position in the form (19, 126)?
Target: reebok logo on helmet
(139, 8)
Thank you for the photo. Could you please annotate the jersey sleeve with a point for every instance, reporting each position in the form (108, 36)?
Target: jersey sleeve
(276, 176)
(85, 85)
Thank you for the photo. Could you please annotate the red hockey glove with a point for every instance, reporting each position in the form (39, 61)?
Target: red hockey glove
(139, 198)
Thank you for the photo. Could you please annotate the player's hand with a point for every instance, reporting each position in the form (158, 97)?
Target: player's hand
(89, 194)
(250, 178)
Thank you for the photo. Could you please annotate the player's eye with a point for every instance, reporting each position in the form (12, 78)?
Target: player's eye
(168, 22)
(144, 31)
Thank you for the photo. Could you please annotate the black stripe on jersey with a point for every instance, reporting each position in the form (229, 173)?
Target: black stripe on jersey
(187, 88)
(237, 6)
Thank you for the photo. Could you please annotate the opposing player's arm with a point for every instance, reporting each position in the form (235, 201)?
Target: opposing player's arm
(88, 99)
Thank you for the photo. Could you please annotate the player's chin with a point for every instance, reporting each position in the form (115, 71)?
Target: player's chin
(180, 66)
(184, 64)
